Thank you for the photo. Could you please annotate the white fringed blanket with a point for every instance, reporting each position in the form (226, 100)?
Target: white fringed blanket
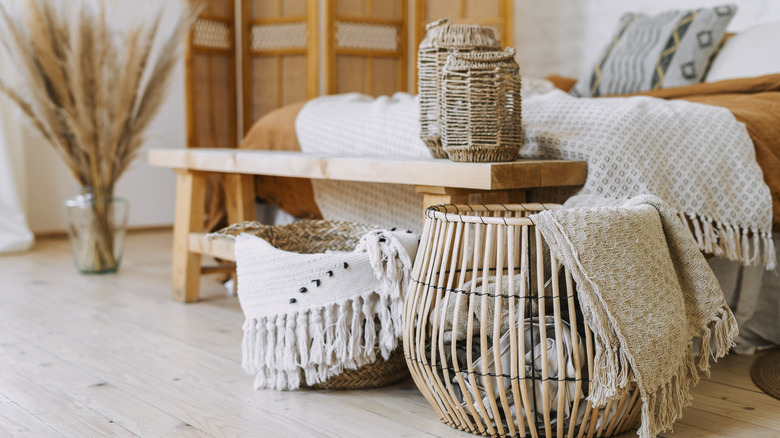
(311, 316)
(645, 291)
(697, 158)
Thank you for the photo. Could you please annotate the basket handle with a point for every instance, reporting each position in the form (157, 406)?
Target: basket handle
(437, 23)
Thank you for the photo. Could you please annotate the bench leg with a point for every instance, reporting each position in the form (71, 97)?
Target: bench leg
(190, 206)
(446, 195)
(240, 204)
(240, 198)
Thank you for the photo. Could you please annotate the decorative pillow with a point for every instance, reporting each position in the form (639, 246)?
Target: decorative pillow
(752, 52)
(671, 49)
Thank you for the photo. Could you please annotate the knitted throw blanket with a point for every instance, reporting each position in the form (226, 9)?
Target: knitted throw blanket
(697, 158)
(645, 291)
(312, 316)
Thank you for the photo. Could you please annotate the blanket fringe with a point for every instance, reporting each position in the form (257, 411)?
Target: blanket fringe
(311, 346)
(613, 374)
(287, 349)
(747, 246)
(663, 407)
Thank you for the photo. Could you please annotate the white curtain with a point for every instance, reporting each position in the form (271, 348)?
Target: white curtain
(15, 235)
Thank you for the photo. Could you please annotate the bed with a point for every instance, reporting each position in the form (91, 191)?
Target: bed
(753, 101)
(743, 78)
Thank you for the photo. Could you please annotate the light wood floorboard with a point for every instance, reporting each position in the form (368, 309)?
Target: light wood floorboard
(95, 356)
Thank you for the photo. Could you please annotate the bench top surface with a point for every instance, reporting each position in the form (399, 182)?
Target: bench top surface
(380, 169)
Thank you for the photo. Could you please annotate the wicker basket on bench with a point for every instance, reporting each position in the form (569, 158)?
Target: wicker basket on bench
(493, 334)
(440, 39)
(481, 106)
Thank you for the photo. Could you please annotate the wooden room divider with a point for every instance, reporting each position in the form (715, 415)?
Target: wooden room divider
(210, 76)
(280, 56)
(365, 46)
(293, 50)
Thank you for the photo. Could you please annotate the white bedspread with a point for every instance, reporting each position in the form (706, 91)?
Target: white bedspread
(697, 158)
(358, 124)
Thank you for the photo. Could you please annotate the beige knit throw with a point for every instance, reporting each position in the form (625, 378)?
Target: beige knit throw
(645, 291)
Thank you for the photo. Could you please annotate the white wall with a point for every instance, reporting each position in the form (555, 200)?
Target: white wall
(149, 190)
(565, 37)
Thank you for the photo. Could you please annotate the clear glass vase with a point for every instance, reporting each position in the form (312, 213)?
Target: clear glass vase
(97, 222)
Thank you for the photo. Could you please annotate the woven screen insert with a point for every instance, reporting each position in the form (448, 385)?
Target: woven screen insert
(211, 34)
(267, 37)
(352, 35)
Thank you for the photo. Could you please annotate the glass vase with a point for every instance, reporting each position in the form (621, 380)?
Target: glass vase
(97, 222)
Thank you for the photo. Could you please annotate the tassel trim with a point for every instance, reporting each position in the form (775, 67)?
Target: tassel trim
(747, 246)
(662, 406)
(284, 351)
(290, 349)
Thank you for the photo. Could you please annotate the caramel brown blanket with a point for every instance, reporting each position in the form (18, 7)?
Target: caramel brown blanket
(753, 101)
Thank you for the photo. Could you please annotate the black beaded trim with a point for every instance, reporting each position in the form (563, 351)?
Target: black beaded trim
(492, 295)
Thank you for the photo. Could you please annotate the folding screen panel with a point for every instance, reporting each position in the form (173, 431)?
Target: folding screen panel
(210, 64)
(365, 46)
(286, 56)
(280, 62)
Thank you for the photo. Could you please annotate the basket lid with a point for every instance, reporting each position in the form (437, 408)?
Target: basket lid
(441, 34)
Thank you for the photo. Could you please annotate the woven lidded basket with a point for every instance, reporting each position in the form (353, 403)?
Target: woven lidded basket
(481, 106)
(349, 342)
(441, 37)
(493, 334)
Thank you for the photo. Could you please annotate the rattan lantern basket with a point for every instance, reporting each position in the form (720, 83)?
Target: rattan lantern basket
(440, 39)
(493, 334)
(481, 106)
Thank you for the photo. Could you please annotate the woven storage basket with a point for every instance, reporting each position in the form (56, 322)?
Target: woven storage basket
(318, 237)
(493, 334)
(441, 37)
(481, 106)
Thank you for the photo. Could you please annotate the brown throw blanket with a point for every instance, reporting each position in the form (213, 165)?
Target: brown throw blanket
(645, 291)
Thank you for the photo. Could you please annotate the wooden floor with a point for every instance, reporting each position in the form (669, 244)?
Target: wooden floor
(96, 356)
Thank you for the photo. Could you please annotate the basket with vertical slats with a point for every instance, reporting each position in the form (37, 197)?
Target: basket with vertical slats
(440, 39)
(493, 334)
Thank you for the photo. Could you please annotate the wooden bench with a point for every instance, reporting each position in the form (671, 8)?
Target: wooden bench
(440, 181)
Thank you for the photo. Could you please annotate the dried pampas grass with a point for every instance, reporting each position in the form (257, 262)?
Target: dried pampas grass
(89, 88)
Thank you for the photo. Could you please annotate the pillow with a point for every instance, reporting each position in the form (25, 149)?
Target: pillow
(752, 52)
(671, 49)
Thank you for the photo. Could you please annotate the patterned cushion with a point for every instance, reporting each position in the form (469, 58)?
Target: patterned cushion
(671, 49)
